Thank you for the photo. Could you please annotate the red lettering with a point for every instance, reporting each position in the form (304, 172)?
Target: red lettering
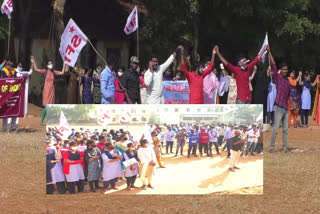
(67, 59)
(10, 3)
(69, 50)
(76, 41)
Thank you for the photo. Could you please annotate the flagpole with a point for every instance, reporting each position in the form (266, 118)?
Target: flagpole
(138, 42)
(97, 52)
(9, 32)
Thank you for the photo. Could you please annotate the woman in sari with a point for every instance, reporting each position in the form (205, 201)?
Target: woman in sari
(316, 107)
(293, 104)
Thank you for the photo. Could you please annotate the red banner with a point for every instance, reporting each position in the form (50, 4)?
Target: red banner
(12, 97)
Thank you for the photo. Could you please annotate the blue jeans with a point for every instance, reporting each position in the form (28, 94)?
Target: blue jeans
(280, 114)
(240, 102)
(5, 124)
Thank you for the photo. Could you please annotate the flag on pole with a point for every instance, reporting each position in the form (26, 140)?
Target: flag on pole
(127, 115)
(72, 42)
(7, 8)
(64, 129)
(265, 42)
(105, 117)
(260, 117)
(132, 22)
(146, 133)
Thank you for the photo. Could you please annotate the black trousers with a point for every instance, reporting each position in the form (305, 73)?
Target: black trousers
(210, 148)
(72, 186)
(228, 147)
(304, 116)
(61, 188)
(220, 140)
(193, 148)
(169, 143)
(205, 146)
(50, 189)
(259, 147)
(215, 145)
(131, 180)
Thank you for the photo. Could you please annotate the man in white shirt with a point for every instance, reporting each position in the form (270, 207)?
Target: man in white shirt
(154, 76)
(147, 161)
(169, 139)
(213, 133)
(253, 135)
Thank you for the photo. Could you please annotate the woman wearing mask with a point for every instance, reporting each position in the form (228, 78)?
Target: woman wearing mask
(131, 171)
(86, 82)
(73, 90)
(120, 92)
(48, 90)
(97, 85)
(272, 94)
(73, 168)
(111, 167)
(92, 157)
(306, 98)
(293, 99)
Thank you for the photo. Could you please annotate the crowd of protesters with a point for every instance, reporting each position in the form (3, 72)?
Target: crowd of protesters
(90, 156)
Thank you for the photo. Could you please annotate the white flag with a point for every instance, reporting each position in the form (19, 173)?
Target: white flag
(7, 8)
(127, 115)
(72, 42)
(132, 22)
(260, 117)
(266, 42)
(64, 129)
(147, 134)
(105, 117)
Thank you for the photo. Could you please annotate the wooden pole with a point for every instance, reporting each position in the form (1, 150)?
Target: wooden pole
(9, 35)
(138, 42)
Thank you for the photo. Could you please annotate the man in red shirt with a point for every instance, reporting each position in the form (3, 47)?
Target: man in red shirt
(102, 141)
(195, 78)
(204, 138)
(242, 74)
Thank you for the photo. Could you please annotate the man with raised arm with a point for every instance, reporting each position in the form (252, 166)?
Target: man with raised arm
(242, 74)
(154, 76)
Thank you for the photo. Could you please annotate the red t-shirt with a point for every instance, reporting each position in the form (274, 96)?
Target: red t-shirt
(196, 83)
(204, 137)
(100, 146)
(242, 79)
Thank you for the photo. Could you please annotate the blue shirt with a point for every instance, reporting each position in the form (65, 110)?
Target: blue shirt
(193, 139)
(228, 134)
(107, 86)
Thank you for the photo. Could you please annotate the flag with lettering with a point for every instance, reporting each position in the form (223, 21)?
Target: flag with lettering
(104, 117)
(72, 42)
(127, 115)
(64, 129)
(132, 22)
(7, 8)
(265, 42)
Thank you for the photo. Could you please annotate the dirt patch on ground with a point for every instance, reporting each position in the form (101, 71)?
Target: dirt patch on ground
(291, 183)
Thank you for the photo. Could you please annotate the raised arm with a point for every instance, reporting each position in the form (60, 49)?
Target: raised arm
(222, 59)
(254, 72)
(211, 66)
(315, 81)
(35, 68)
(299, 80)
(270, 55)
(183, 64)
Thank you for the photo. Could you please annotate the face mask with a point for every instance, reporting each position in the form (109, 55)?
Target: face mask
(120, 74)
(48, 149)
(19, 68)
(74, 148)
(125, 138)
(243, 67)
(50, 66)
(111, 147)
(98, 70)
(94, 146)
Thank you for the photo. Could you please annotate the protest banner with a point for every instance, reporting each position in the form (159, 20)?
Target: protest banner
(133, 25)
(265, 42)
(12, 95)
(7, 8)
(72, 42)
(176, 92)
(129, 162)
(127, 115)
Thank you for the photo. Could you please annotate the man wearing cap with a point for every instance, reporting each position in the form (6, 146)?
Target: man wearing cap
(154, 76)
(131, 81)
(242, 74)
(235, 144)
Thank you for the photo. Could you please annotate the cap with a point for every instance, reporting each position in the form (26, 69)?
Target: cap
(134, 59)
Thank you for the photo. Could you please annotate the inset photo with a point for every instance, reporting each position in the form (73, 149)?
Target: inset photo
(154, 149)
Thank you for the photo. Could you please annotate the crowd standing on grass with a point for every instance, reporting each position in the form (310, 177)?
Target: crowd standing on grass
(93, 157)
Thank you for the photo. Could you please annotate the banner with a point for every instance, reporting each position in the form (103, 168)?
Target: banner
(260, 117)
(7, 8)
(265, 42)
(72, 42)
(176, 92)
(127, 115)
(104, 117)
(132, 22)
(64, 129)
(12, 97)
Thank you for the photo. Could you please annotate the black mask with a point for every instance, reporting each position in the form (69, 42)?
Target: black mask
(94, 146)
(125, 138)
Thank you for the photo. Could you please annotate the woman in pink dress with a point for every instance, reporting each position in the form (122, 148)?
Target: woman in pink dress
(48, 90)
(119, 94)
